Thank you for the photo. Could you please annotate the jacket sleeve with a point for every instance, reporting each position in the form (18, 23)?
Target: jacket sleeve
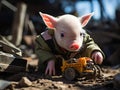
(90, 46)
(42, 50)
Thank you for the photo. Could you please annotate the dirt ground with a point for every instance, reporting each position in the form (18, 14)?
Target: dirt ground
(36, 82)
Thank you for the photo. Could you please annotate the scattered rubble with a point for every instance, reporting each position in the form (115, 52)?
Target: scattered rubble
(24, 75)
(8, 47)
(25, 82)
(32, 81)
(4, 84)
(12, 64)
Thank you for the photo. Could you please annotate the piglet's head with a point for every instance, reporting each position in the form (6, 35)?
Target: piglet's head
(68, 30)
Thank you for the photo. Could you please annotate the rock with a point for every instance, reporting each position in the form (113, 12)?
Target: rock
(4, 84)
(8, 47)
(12, 64)
(116, 81)
(25, 82)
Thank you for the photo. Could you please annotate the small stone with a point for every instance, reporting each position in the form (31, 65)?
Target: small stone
(59, 82)
(55, 86)
(25, 82)
(69, 86)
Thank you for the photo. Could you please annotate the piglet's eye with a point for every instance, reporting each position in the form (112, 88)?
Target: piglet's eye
(62, 34)
(82, 34)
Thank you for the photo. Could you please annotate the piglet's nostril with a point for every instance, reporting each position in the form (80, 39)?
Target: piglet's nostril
(74, 46)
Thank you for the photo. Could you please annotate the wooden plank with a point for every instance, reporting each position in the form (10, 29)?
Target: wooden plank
(18, 24)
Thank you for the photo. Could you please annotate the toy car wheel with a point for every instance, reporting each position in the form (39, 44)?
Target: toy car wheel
(70, 74)
(99, 71)
(94, 74)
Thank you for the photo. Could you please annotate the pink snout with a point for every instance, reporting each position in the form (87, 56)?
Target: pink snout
(74, 46)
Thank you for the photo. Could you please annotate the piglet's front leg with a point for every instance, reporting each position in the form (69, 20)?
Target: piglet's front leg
(50, 69)
(97, 57)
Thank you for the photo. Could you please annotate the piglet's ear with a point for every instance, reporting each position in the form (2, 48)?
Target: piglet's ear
(85, 19)
(49, 20)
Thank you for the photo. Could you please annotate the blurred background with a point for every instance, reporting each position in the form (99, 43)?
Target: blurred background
(20, 22)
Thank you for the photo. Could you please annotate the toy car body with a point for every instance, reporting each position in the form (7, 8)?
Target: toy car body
(83, 66)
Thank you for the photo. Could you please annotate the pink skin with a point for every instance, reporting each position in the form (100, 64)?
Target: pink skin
(97, 57)
(50, 69)
(74, 46)
(68, 29)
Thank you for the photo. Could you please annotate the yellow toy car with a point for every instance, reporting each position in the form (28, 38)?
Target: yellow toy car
(81, 67)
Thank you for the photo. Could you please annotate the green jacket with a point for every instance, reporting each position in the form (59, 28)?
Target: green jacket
(46, 50)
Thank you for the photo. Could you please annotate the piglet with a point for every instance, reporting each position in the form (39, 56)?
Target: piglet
(69, 36)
